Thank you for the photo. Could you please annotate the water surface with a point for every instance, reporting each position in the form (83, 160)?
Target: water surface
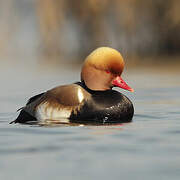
(148, 148)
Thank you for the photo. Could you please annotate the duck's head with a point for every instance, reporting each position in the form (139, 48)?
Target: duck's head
(102, 70)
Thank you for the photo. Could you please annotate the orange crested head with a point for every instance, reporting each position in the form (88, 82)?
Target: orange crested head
(102, 70)
(107, 59)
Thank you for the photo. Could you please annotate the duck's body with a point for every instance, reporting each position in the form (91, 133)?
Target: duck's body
(76, 103)
(90, 101)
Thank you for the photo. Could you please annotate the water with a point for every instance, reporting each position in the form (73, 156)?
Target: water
(148, 148)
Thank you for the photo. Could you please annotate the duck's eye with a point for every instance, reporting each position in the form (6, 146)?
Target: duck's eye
(107, 71)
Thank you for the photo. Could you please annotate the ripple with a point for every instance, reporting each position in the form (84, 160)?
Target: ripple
(147, 116)
(173, 132)
(22, 129)
(30, 150)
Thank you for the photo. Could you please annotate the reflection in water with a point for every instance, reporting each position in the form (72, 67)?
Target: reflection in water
(98, 129)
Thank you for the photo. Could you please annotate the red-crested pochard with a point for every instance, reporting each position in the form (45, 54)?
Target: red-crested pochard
(91, 100)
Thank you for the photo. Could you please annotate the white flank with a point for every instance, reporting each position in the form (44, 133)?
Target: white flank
(49, 113)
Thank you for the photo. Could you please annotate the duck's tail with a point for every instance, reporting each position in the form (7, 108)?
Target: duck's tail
(24, 116)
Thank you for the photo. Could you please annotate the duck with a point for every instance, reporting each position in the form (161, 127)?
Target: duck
(91, 100)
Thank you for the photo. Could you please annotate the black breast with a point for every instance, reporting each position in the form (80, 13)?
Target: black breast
(105, 107)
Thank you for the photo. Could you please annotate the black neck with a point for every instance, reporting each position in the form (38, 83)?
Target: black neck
(82, 84)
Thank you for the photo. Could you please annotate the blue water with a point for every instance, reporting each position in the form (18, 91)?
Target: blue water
(148, 148)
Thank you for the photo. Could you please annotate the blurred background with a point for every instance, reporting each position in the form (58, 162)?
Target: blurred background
(43, 44)
(65, 31)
